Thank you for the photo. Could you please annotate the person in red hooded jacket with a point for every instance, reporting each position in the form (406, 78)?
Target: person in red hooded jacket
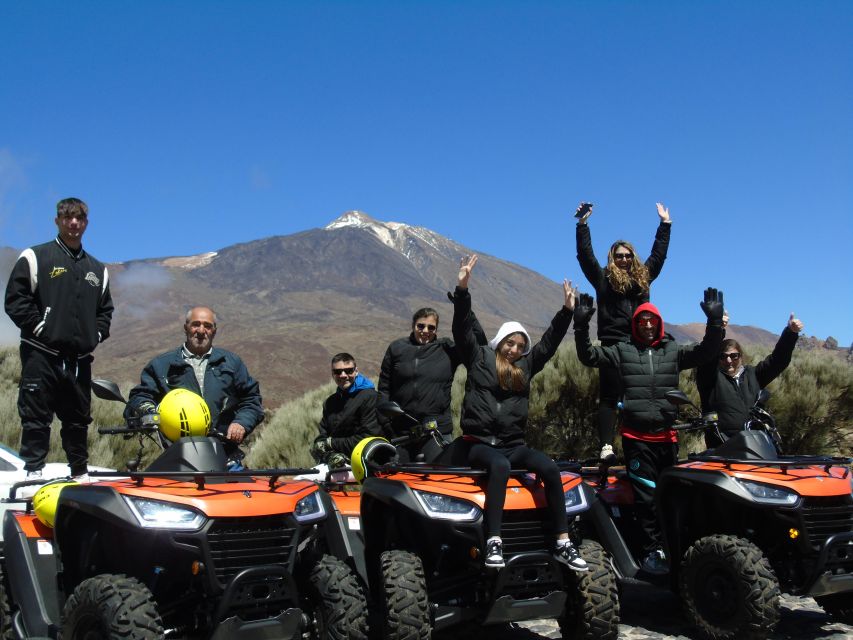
(648, 367)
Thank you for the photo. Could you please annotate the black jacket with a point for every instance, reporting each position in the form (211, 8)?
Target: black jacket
(60, 301)
(648, 372)
(419, 378)
(490, 413)
(232, 395)
(615, 309)
(732, 398)
(349, 418)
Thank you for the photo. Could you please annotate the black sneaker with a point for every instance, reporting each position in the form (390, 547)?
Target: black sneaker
(655, 563)
(569, 556)
(494, 554)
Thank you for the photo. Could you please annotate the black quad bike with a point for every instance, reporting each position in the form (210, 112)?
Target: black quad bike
(741, 524)
(422, 527)
(184, 549)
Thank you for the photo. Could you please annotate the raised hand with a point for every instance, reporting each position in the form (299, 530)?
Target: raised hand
(663, 212)
(712, 306)
(583, 311)
(466, 266)
(569, 295)
(795, 324)
(587, 208)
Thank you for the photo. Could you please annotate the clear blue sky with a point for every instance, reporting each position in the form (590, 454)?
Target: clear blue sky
(190, 126)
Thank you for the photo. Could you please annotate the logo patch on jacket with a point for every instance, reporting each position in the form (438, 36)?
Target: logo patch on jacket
(92, 279)
(57, 271)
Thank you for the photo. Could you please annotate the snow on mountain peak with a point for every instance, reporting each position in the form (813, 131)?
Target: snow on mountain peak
(396, 235)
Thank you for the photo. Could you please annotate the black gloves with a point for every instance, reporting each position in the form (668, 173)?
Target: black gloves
(337, 460)
(320, 448)
(146, 408)
(713, 306)
(584, 311)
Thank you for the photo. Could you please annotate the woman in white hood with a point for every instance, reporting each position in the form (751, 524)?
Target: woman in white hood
(494, 413)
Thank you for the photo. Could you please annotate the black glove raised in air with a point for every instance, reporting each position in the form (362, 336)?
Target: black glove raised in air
(712, 306)
(583, 311)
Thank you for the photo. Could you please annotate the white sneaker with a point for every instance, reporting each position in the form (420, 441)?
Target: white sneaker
(83, 478)
(36, 474)
(607, 454)
(494, 554)
(569, 556)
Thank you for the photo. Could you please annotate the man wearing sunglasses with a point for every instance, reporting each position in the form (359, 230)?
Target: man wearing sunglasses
(349, 414)
(647, 368)
(729, 385)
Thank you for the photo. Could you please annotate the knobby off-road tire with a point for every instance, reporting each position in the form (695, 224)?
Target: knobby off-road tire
(592, 608)
(838, 605)
(405, 599)
(111, 607)
(340, 608)
(728, 589)
(7, 609)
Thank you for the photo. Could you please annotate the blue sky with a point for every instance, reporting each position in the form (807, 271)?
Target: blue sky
(190, 126)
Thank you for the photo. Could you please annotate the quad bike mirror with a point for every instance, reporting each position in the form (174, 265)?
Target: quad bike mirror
(762, 397)
(677, 397)
(107, 390)
(389, 409)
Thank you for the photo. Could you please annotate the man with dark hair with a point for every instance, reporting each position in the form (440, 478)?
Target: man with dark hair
(219, 376)
(59, 296)
(349, 414)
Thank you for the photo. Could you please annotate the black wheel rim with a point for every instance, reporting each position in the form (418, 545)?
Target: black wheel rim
(717, 597)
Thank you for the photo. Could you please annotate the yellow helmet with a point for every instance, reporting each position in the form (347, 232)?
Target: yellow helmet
(183, 413)
(46, 500)
(374, 450)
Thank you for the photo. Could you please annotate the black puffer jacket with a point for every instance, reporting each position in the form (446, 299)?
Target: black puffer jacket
(615, 310)
(649, 371)
(490, 413)
(732, 398)
(348, 418)
(419, 378)
(60, 300)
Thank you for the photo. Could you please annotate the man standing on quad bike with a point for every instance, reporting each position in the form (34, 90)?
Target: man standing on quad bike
(729, 386)
(349, 414)
(59, 296)
(219, 376)
(648, 367)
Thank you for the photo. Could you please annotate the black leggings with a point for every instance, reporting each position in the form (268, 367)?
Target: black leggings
(498, 461)
(609, 393)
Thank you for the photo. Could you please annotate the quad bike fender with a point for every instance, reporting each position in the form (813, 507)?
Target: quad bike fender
(835, 554)
(31, 565)
(343, 534)
(598, 524)
(285, 626)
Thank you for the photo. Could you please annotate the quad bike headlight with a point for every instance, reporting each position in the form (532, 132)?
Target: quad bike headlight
(447, 508)
(575, 500)
(154, 514)
(309, 508)
(768, 493)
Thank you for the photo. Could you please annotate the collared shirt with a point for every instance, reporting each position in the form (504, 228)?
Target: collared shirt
(198, 363)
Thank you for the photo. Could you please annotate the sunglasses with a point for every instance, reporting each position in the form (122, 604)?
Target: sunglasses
(623, 256)
(425, 327)
(734, 355)
(346, 370)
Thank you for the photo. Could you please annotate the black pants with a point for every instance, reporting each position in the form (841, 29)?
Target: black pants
(498, 462)
(54, 385)
(609, 394)
(644, 462)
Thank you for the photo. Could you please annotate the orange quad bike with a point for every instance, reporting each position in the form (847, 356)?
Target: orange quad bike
(421, 527)
(184, 549)
(741, 523)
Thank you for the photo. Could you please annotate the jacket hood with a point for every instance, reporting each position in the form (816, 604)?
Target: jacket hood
(360, 383)
(508, 328)
(650, 308)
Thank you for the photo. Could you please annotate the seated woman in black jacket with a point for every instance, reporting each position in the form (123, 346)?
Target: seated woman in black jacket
(729, 386)
(494, 413)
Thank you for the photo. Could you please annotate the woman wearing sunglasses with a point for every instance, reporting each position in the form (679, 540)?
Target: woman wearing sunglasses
(417, 373)
(494, 414)
(620, 287)
(729, 386)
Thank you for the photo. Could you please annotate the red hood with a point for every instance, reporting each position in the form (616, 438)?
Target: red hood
(646, 306)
